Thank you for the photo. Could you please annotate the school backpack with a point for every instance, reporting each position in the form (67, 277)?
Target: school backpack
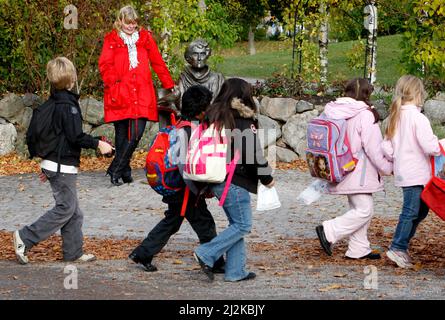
(161, 166)
(206, 157)
(41, 137)
(328, 152)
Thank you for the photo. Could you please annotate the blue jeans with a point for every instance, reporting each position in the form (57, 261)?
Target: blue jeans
(231, 240)
(413, 212)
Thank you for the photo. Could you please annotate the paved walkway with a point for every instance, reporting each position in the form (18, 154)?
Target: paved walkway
(132, 210)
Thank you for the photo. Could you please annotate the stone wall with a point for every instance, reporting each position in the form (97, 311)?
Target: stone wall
(287, 117)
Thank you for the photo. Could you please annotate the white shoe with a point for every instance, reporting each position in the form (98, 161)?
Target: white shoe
(86, 258)
(400, 258)
(19, 248)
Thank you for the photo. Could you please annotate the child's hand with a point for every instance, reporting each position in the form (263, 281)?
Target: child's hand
(43, 178)
(270, 185)
(105, 147)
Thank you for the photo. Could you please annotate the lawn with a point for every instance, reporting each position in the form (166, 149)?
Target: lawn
(273, 55)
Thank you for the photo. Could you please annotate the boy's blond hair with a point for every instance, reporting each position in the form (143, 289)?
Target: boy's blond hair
(126, 15)
(61, 73)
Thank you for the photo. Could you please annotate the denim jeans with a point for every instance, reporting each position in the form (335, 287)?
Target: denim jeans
(231, 240)
(413, 212)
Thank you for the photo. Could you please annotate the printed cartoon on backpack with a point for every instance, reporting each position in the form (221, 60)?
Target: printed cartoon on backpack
(328, 152)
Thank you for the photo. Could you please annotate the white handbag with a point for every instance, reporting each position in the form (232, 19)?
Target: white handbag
(267, 198)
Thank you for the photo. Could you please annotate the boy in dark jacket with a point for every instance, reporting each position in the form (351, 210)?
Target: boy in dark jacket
(194, 103)
(61, 170)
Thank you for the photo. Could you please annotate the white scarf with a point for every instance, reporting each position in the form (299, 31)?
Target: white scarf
(130, 41)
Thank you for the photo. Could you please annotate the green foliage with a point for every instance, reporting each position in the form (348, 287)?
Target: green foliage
(346, 18)
(355, 56)
(424, 41)
(32, 33)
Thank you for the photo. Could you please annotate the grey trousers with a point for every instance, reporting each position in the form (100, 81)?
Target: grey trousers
(66, 216)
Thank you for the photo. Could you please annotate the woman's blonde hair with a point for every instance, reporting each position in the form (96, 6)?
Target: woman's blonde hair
(61, 73)
(408, 89)
(126, 15)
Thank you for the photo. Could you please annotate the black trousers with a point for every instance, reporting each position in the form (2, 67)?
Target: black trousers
(196, 214)
(128, 133)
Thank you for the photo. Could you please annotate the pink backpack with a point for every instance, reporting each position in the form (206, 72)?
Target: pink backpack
(328, 152)
(206, 157)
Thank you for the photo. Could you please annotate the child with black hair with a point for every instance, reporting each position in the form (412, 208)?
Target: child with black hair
(194, 103)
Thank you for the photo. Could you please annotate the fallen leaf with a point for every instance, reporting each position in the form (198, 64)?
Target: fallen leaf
(331, 287)
(340, 275)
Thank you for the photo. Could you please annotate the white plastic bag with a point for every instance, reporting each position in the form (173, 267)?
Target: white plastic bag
(314, 191)
(267, 198)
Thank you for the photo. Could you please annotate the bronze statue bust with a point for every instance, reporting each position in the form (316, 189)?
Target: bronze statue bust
(198, 72)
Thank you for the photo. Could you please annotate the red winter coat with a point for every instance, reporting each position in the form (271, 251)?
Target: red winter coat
(129, 94)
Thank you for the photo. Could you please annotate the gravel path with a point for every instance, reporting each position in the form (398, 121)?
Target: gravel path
(132, 210)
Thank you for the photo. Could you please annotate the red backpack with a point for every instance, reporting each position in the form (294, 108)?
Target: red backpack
(161, 165)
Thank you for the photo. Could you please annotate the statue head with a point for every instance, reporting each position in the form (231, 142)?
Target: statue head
(197, 53)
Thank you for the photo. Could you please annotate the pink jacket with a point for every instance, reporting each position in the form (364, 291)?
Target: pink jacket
(365, 138)
(411, 147)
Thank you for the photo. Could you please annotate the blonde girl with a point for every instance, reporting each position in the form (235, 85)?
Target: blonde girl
(409, 142)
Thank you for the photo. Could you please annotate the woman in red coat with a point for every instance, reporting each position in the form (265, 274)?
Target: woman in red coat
(129, 94)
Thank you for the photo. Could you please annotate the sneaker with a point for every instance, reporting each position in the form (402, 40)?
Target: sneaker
(19, 248)
(407, 257)
(400, 258)
(86, 258)
(205, 268)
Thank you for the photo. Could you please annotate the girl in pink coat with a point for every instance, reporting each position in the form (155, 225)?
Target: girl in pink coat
(365, 138)
(410, 142)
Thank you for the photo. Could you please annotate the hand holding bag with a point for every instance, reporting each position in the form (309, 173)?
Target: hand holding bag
(267, 198)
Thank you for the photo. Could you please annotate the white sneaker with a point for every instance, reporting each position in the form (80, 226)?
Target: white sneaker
(19, 248)
(400, 258)
(86, 258)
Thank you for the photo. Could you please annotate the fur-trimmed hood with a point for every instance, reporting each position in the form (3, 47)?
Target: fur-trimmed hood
(243, 110)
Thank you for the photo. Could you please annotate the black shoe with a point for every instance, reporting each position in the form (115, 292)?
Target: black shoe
(250, 276)
(128, 179)
(114, 180)
(325, 244)
(147, 265)
(205, 268)
(370, 256)
(218, 270)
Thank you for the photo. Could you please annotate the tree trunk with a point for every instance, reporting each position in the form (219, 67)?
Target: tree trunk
(252, 50)
(371, 24)
(202, 6)
(323, 43)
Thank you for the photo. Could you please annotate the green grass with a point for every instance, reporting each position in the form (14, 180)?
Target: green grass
(273, 55)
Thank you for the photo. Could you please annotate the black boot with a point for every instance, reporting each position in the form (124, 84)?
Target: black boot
(114, 180)
(325, 244)
(127, 179)
(146, 263)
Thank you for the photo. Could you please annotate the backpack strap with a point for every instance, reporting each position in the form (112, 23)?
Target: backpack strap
(232, 167)
(182, 123)
(185, 202)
